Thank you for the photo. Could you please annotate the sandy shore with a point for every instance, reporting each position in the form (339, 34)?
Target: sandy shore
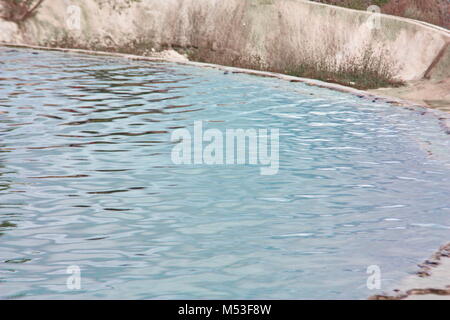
(431, 282)
(431, 93)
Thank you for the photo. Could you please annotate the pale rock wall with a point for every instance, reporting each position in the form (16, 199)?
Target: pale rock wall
(275, 35)
(9, 32)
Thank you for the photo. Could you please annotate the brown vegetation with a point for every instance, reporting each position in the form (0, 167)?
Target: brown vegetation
(18, 10)
(436, 12)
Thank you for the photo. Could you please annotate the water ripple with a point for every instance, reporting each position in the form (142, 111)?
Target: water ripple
(86, 179)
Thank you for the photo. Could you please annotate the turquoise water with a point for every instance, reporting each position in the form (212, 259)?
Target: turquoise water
(86, 179)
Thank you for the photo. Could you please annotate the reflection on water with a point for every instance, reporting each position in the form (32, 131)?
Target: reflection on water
(86, 179)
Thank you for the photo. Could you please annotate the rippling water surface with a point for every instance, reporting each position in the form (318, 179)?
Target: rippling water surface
(86, 179)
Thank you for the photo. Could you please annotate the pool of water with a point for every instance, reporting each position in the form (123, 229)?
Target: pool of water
(87, 180)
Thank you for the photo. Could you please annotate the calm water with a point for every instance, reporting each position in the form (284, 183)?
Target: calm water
(86, 179)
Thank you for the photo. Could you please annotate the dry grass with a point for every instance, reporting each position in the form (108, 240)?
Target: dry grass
(371, 72)
(366, 69)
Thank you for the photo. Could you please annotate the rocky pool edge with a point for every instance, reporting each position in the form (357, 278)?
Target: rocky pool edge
(430, 282)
